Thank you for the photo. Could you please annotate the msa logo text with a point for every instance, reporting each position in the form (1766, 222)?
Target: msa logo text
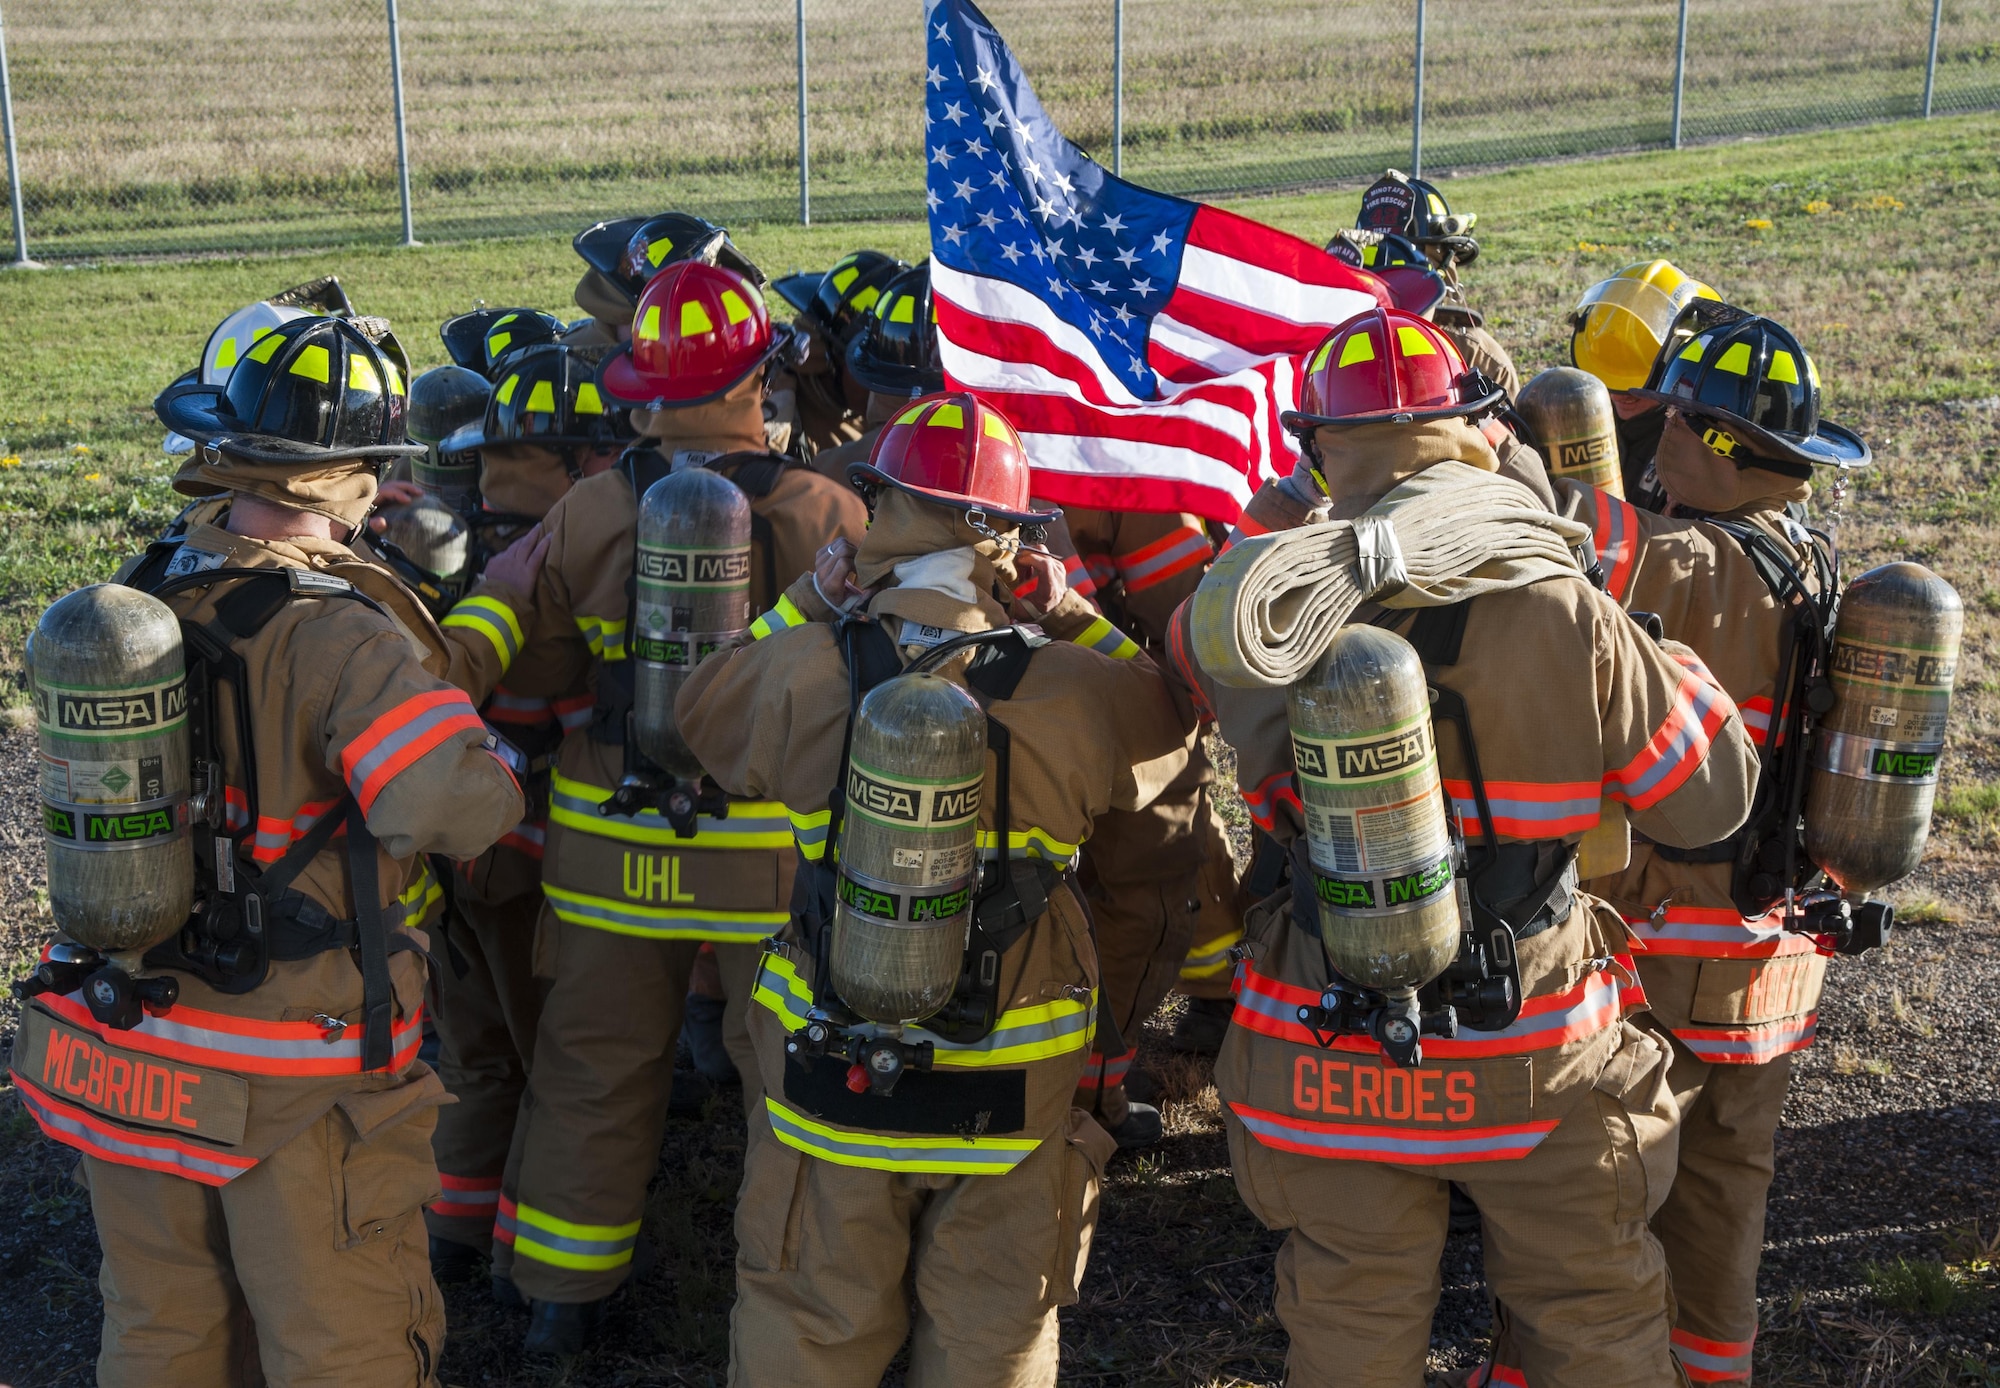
(885, 801)
(111, 713)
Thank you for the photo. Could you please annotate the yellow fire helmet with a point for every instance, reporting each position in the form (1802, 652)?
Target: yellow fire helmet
(1621, 323)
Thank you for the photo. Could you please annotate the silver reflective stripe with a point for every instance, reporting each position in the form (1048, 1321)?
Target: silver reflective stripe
(884, 1149)
(116, 1147)
(1845, 754)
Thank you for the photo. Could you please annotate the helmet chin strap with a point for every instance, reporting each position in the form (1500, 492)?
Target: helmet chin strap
(975, 517)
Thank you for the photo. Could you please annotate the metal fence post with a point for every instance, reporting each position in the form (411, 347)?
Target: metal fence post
(1118, 86)
(1417, 111)
(402, 129)
(1930, 67)
(805, 157)
(1680, 71)
(20, 260)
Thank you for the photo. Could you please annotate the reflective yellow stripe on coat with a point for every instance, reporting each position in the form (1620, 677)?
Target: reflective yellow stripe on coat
(751, 825)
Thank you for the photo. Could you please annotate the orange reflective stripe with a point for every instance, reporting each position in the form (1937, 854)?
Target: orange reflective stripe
(275, 835)
(1749, 1045)
(241, 1045)
(143, 1148)
(1616, 536)
(1264, 799)
(467, 1197)
(1711, 932)
(1077, 574)
(1713, 1361)
(1183, 664)
(1270, 1007)
(1377, 1142)
(529, 837)
(1185, 548)
(404, 734)
(505, 707)
(1673, 752)
(1529, 809)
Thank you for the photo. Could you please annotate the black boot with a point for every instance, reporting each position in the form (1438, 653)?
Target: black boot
(454, 1262)
(1142, 1128)
(701, 1028)
(562, 1327)
(691, 1092)
(1203, 1026)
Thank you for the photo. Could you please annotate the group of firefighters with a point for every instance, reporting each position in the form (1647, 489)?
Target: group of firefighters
(682, 698)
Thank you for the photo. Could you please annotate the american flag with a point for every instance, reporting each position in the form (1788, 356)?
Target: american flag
(1142, 344)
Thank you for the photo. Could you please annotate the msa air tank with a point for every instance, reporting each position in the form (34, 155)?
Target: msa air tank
(909, 848)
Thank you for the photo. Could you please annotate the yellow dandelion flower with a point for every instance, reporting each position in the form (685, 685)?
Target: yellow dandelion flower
(92, 476)
(10, 461)
(1758, 223)
(1882, 202)
(79, 450)
(1817, 207)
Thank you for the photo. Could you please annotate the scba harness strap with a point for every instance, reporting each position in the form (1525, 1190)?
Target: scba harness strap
(244, 918)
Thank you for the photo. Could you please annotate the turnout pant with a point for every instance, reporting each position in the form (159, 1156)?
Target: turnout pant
(310, 1270)
(1712, 1222)
(486, 1023)
(589, 1132)
(1568, 1251)
(830, 1259)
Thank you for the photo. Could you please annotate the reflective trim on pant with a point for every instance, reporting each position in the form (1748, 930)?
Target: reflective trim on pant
(1714, 1361)
(241, 1044)
(1749, 1047)
(1705, 932)
(1209, 958)
(467, 1197)
(563, 1243)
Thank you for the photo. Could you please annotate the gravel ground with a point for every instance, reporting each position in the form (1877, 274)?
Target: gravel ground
(1888, 1152)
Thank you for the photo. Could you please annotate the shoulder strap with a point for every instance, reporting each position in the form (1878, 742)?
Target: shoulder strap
(1439, 632)
(755, 473)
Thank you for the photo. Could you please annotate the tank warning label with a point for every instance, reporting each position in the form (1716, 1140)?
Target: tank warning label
(695, 568)
(128, 712)
(143, 1090)
(1895, 667)
(103, 782)
(1870, 759)
(912, 804)
(924, 908)
(1384, 756)
(1390, 892)
(114, 826)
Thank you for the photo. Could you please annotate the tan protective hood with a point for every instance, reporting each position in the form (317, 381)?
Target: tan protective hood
(342, 490)
(1369, 459)
(599, 298)
(733, 424)
(1697, 478)
(906, 531)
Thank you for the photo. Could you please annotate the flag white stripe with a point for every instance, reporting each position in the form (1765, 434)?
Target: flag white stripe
(1002, 302)
(1102, 457)
(982, 372)
(1268, 291)
(1194, 345)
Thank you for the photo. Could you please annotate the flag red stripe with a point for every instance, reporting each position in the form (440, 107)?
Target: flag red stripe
(1227, 233)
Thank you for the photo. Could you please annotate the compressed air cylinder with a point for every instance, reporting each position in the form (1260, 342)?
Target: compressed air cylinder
(908, 848)
(693, 597)
(1571, 416)
(1875, 754)
(1375, 819)
(431, 535)
(109, 682)
(444, 400)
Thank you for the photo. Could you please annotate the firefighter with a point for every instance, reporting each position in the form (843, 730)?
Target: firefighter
(973, 1180)
(1162, 881)
(830, 402)
(1559, 1123)
(620, 256)
(546, 427)
(269, 1230)
(1619, 332)
(1740, 441)
(571, 1204)
(894, 356)
(1414, 213)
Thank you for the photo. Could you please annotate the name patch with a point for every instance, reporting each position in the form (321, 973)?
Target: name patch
(129, 1087)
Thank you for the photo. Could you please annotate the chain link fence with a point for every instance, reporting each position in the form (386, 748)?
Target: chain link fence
(233, 125)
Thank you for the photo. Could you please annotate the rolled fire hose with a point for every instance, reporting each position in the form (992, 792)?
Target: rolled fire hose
(1270, 606)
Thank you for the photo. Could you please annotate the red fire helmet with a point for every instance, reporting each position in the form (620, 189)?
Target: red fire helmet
(956, 450)
(698, 330)
(1387, 365)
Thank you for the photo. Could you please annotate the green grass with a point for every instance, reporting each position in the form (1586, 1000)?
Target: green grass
(1921, 1286)
(274, 129)
(1885, 278)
